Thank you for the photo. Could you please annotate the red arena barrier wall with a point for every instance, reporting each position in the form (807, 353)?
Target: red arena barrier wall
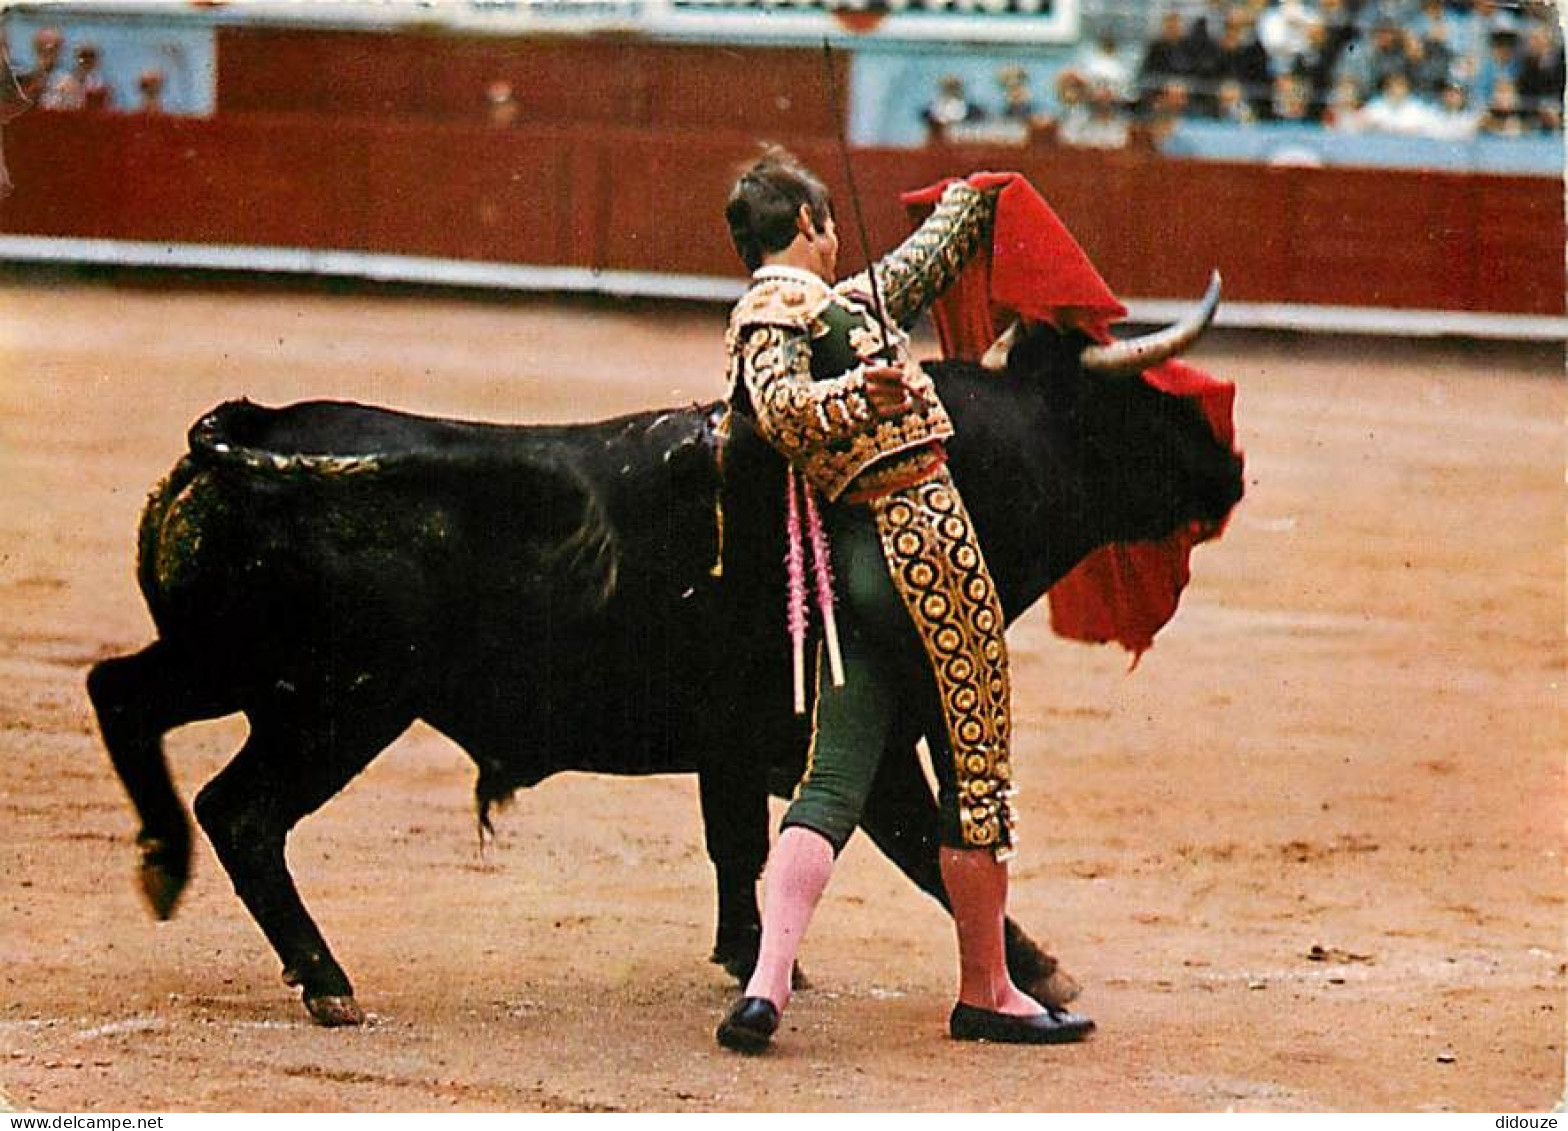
(595, 81)
(630, 174)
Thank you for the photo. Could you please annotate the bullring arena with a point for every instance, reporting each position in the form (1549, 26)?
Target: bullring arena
(1307, 856)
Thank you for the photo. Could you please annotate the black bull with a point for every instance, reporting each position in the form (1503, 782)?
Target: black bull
(545, 597)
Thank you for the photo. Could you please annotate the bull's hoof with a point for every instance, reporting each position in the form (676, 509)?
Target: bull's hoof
(1056, 989)
(164, 872)
(334, 1011)
(735, 949)
(737, 966)
(741, 967)
(161, 888)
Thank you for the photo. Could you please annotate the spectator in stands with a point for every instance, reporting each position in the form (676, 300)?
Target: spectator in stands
(1071, 112)
(1470, 34)
(1106, 127)
(1343, 112)
(1339, 20)
(1232, 105)
(1203, 42)
(1505, 115)
(1500, 64)
(1540, 76)
(47, 42)
(500, 106)
(1549, 116)
(82, 88)
(149, 91)
(1167, 112)
(950, 107)
(1102, 64)
(1435, 15)
(1283, 31)
(1494, 16)
(1314, 65)
(1428, 63)
(1370, 64)
(1171, 57)
(1018, 101)
(1289, 100)
(1454, 119)
(1397, 111)
(1242, 58)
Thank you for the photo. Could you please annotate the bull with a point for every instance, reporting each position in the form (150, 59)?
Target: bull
(547, 598)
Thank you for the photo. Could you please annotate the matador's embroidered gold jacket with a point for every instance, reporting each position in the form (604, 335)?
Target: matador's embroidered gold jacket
(798, 349)
(798, 352)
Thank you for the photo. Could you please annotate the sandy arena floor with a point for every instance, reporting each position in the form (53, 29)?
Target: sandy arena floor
(1308, 856)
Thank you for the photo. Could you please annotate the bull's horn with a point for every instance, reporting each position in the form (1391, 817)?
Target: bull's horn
(995, 356)
(1137, 354)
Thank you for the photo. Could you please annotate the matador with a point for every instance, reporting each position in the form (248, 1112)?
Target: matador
(830, 383)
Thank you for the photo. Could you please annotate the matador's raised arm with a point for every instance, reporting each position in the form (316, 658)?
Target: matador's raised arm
(915, 273)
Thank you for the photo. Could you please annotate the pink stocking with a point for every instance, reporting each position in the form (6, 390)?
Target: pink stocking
(797, 872)
(976, 885)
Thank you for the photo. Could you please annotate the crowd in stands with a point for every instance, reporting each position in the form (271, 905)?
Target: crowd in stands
(1446, 69)
(50, 85)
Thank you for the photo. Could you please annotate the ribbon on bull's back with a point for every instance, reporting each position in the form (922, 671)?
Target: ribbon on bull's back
(1124, 592)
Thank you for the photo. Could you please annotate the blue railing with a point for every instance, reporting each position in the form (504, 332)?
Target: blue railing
(1286, 143)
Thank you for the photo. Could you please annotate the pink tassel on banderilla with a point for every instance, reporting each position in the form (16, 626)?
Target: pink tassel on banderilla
(822, 569)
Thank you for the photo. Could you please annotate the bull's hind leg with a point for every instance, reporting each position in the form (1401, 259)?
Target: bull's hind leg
(138, 699)
(901, 819)
(287, 770)
(734, 796)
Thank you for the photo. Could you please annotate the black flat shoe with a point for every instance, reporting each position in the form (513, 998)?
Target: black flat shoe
(1053, 1027)
(749, 1026)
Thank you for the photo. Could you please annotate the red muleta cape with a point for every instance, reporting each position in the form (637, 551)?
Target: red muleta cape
(1124, 592)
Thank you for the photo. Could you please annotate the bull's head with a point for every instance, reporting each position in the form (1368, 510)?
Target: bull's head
(1125, 357)
(1084, 451)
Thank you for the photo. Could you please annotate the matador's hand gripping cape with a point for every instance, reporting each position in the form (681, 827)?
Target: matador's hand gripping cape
(1125, 592)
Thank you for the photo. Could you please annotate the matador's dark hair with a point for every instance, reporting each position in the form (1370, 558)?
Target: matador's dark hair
(765, 201)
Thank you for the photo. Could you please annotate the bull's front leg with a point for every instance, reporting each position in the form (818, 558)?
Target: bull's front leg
(901, 818)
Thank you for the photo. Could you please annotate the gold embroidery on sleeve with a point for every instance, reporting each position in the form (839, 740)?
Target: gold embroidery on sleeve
(798, 414)
(913, 275)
